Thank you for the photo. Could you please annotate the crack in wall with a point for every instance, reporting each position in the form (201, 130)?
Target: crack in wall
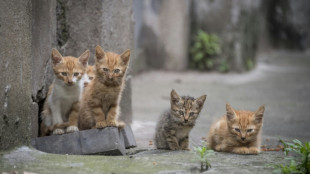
(5, 105)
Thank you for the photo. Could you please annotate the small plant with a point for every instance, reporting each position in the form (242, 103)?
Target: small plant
(203, 152)
(205, 47)
(303, 158)
(249, 64)
(224, 67)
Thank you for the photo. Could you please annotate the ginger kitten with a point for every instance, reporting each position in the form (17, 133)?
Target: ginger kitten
(61, 104)
(174, 126)
(100, 101)
(238, 131)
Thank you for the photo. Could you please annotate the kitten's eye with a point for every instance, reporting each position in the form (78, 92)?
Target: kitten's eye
(76, 74)
(250, 130)
(117, 70)
(191, 113)
(91, 78)
(236, 129)
(105, 69)
(181, 112)
(64, 73)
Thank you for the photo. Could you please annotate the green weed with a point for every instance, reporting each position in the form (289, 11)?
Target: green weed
(205, 47)
(302, 157)
(202, 153)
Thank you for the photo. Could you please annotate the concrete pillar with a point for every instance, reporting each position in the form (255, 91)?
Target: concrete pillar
(15, 66)
(162, 34)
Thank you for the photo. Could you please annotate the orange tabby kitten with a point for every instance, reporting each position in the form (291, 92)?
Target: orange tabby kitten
(100, 102)
(238, 131)
(61, 104)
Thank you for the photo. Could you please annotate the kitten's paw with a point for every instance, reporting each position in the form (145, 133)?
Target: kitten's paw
(174, 148)
(101, 125)
(218, 148)
(242, 150)
(121, 124)
(58, 132)
(187, 149)
(112, 124)
(72, 129)
(253, 150)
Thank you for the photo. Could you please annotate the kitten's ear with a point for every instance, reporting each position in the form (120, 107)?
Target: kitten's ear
(56, 57)
(125, 56)
(230, 113)
(201, 100)
(174, 97)
(260, 113)
(84, 58)
(99, 53)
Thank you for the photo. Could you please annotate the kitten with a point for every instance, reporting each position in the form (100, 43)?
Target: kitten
(61, 104)
(238, 131)
(174, 126)
(87, 78)
(100, 102)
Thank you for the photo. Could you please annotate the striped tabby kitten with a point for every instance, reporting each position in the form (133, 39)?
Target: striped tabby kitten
(174, 126)
(238, 131)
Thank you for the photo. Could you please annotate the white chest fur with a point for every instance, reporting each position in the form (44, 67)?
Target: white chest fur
(84, 79)
(61, 100)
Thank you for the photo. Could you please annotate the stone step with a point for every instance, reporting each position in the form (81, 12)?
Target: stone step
(107, 141)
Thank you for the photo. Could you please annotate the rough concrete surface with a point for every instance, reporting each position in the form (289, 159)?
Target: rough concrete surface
(161, 34)
(281, 81)
(109, 141)
(15, 78)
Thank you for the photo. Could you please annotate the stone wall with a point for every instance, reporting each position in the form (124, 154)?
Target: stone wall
(161, 34)
(287, 23)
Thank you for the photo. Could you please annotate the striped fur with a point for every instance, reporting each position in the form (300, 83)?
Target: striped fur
(100, 101)
(174, 125)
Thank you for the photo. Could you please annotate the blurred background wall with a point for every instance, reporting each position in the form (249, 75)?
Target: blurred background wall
(165, 31)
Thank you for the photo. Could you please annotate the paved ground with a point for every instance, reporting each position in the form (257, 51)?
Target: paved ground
(281, 81)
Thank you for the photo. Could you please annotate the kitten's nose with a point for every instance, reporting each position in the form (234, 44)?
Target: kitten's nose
(85, 84)
(185, 121)
(70, 82)
(242, 138)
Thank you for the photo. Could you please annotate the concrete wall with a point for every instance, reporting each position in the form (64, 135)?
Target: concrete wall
(236, 23)
(15, 67)
(287, 23)
(161, 34)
